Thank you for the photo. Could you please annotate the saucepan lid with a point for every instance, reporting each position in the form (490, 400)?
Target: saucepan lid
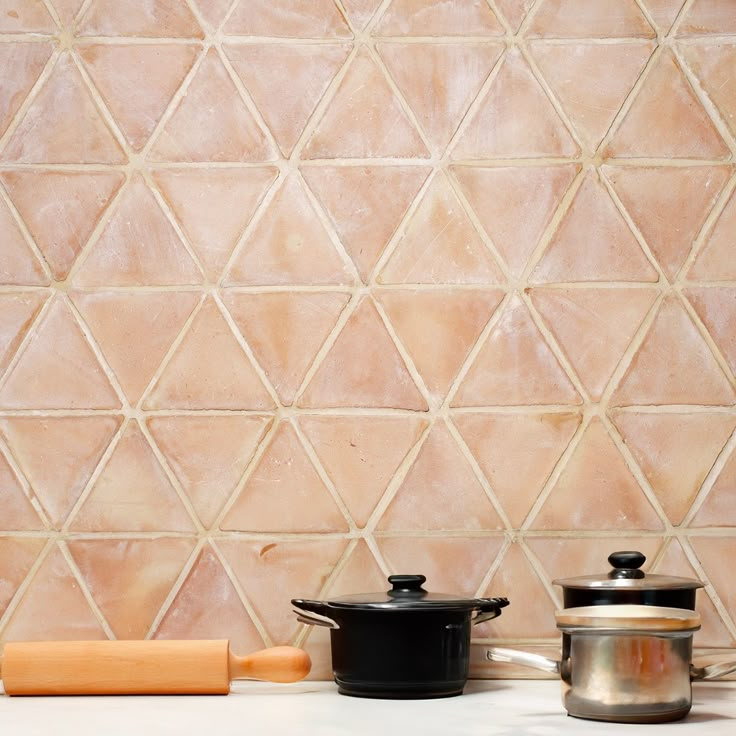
(626, 574)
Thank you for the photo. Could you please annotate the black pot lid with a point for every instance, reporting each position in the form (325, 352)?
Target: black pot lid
(627, 575)
(407, 593)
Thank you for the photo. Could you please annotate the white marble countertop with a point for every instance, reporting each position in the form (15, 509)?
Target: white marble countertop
(488, 707)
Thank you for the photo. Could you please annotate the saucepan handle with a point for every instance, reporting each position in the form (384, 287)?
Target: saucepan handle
(712, 671)
(489, 608)
(312, 612)
(525, 659)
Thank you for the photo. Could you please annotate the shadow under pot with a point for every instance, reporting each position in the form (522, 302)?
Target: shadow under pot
(627, 583)
(624, 663)
(403, 643)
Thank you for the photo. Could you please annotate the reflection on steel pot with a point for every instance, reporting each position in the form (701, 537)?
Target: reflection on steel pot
(624, 663)
(626, 583)
(404, 643)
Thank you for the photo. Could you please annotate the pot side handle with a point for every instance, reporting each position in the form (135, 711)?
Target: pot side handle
(712, 671)
(525, 659)
(488, 609)
(312, 612)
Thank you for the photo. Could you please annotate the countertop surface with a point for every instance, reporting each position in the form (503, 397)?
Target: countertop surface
(517, 707)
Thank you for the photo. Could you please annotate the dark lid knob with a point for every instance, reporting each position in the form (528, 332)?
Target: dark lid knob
(407, 585)
(626, 564)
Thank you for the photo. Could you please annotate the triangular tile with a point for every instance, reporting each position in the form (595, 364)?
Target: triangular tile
(213, 11)
(354, 198)
(207, 606)
(138, 246)
(67, 10)
(713, 64)
(285, 330)
(208, 455)
(515, 366)
(61, 209)
(514, 11)
(564, 557)
(454, 565)
(515, 119)
(211, 122)
(663, 12)
(583, 19)
(439, 81)
(288, 19)
(63, 125)
(363, 368)
(385, 129)
(440, 491)
(20, 16)
(717, 260)
(53, 607)
(667, 120)
(284, 493)
(593, 242)
(18, 265)
(515, 204)
(517, 580)
(213, 207)
(439, 328)
(22, 64)
(57, 369)
(717, 308)
(18, 555)
(594, 327)
(58, 455)
(131, 18)
(612, 499)
(517, 453)
(676, 452)
(713, 632)
(715, 556)
(668, 205)
(18, 513)
(145, 570)
(359, 574)
(708, 16)
(359, 12)
(191, 381)
(438, 18)
(132, 493)
(18, 310)
(133, 345)
(440, 245)
(580, 76)
(361, 454)
(135, 97)
(305, 70)
(674, 365)
(271, 573)
(289, 245)
(719, 509)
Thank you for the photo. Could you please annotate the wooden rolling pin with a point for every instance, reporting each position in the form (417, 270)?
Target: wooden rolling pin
(141, 667)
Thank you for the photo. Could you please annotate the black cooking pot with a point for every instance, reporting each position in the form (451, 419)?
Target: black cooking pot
(405, 643)
(626, 583)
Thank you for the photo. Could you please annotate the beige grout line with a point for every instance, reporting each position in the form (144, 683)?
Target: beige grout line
(176, 587)
(6, 453)
(710, 479)
(20, 593)
(494, 567)
(721, 608)
(85, 590)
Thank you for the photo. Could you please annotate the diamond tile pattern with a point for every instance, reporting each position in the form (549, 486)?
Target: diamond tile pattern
(297, 294)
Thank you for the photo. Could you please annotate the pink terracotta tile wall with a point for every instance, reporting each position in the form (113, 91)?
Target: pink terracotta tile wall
(297, 294)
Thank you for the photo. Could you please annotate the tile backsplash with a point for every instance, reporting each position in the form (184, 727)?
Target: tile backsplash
(295, 294)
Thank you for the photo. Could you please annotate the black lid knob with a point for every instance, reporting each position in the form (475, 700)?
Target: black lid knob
(626, 564)
(407, 585)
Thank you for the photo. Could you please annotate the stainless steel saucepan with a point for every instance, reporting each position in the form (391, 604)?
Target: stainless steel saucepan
(624, 663)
